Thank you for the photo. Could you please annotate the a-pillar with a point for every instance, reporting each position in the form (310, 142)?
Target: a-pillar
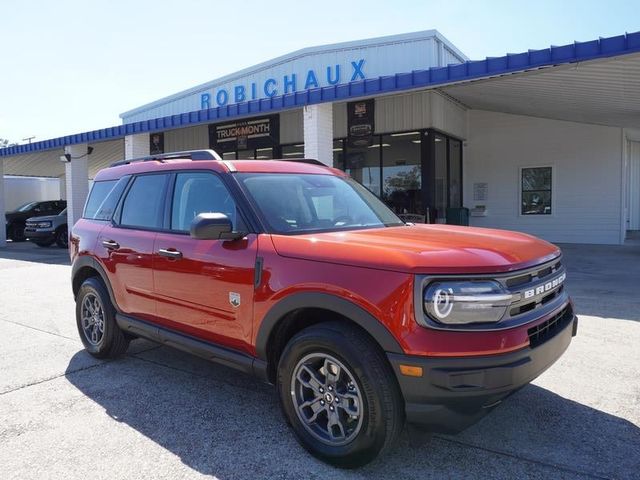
(318, 132)
(3, 229)
(77, 182)
(136, 146)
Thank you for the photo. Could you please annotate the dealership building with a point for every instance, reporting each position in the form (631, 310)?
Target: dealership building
(545, 141)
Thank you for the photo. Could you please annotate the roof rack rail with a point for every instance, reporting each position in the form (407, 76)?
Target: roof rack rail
(311, 161)
(188, 154)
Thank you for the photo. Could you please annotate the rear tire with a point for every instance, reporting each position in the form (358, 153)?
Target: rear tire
(96, 321)
(62, 237)
(339, 394)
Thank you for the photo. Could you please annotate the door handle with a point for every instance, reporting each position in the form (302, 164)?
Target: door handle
(110, 244)
(170, 253)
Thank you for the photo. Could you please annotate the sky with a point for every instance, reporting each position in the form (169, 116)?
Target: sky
(70, 66)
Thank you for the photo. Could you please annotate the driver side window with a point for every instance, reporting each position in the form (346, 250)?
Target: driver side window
(200, 192)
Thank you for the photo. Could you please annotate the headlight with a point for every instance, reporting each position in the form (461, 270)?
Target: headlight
(42, 224)
(462, 302)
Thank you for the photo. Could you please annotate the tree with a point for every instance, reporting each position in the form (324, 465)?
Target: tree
(5, 143)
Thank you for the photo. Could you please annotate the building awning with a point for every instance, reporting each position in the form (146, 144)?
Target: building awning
(604, 92)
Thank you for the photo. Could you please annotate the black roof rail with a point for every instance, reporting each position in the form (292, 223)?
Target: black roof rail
(160, 157)
(311, 161)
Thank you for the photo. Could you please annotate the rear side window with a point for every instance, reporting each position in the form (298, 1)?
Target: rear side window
(103, 199)
(143, 206)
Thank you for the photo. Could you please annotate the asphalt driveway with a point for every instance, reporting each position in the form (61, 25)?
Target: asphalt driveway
(159, 413)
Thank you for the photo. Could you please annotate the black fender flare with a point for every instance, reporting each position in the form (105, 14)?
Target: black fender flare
(88, 261)
(324, 301)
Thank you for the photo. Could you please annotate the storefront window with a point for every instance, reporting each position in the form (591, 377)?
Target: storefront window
(536, 191)
(363, 164)
(440, 177)
(293, 151)
(455, 173)
(338, 153)
(402, 172)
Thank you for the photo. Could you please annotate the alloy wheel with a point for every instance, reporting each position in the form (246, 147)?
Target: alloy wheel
(92, 318)
(327, 399)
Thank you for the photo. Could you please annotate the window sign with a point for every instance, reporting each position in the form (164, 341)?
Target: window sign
(156, 143)
(248, 134)
(536, 191)
(360, 118)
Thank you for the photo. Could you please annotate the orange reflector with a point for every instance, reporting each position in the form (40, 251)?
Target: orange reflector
(411, 371)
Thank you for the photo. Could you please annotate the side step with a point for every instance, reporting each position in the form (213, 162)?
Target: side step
(209, 351)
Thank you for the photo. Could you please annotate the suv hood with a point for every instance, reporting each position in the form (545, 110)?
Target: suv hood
(421, 249)
(42, 219)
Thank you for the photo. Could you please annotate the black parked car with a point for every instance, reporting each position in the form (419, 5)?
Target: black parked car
(16, 219)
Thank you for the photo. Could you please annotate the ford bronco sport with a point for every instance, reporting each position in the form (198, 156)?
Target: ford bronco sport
(292, 271)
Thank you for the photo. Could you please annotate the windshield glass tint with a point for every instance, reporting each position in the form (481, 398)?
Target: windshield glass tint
(295, 203)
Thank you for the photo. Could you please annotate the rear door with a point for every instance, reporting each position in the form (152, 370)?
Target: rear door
(126, 245)
(204, 287)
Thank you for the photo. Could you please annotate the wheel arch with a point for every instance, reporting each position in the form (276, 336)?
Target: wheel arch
(301, 310)
(86, 267)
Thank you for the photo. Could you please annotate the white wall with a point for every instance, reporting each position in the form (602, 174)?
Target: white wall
(20, 190)
(587, 173)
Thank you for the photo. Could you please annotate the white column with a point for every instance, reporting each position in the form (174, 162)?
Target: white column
(63, 187)
(77, 182)
(318, 132)
(136, 146)
(3, 229)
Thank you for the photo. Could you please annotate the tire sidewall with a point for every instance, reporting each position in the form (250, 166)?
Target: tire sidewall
(62, 239)
(372, 433)
(16, 232)
(95, 286)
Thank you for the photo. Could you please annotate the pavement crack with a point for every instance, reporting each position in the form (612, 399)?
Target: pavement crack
(38, 329)
(522, 458)
(45, 380)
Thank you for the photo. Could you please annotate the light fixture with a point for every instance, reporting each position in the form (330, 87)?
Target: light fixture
(416, 141)
(404, 134)
(66, 158)
(378, 146)
(263, 149)
(290, 154)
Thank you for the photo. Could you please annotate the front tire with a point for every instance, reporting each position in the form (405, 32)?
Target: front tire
(339, 394)
(16, 233)
(62, 237)
(96, 321)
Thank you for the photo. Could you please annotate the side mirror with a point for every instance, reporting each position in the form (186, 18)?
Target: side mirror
(214, 226)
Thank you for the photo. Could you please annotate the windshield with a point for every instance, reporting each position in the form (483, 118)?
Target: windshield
(304, 203)
(26, 207)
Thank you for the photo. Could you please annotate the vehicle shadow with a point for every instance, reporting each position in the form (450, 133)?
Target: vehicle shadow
(222, 423)
(30, 252)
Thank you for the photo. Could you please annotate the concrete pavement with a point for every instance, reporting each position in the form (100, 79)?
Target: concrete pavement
(160, 413)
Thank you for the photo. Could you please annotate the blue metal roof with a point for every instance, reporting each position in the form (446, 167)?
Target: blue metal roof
(470, 70)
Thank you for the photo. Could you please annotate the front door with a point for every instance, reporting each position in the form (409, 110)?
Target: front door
(205, 287)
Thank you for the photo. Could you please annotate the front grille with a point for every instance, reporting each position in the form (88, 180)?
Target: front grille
(549, 328)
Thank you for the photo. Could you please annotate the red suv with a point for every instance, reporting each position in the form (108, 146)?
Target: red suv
(292, 271)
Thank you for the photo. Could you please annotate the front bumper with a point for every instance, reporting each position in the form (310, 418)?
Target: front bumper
(455, 392)
(39, 234)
